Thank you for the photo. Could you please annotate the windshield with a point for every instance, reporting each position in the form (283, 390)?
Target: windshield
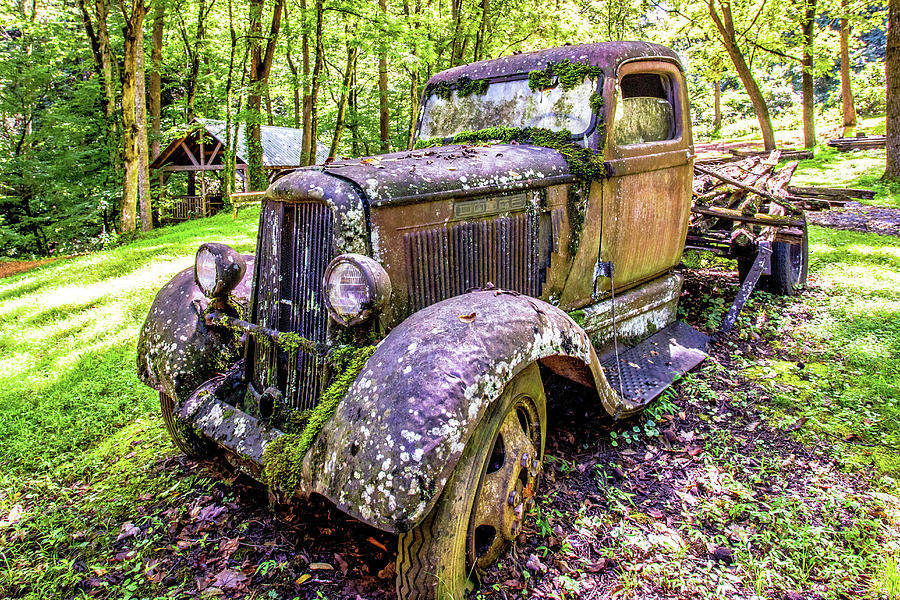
(510, 104)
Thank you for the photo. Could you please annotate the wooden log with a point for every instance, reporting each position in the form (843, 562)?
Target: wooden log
(824, 191)
(749, 188)
(757, 219)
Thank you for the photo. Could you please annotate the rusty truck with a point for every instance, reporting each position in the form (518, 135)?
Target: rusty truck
(385, 346)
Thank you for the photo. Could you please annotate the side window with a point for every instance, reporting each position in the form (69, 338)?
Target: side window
(645, 111)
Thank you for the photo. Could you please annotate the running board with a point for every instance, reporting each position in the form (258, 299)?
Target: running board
(650, 367)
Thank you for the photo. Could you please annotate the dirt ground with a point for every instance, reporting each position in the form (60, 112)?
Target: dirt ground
(13, 267)
(316, 551)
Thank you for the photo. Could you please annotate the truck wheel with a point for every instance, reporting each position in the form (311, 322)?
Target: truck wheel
(481, 509)
(184, 438)
(790, 263)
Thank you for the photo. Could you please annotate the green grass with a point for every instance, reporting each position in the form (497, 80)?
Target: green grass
(859, 169)
(67, 342)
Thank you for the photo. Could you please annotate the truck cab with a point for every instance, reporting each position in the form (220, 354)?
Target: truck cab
(385, 346)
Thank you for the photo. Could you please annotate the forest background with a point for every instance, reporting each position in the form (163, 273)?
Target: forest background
(90, 90)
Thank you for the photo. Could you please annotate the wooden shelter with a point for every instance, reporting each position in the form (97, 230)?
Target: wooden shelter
(200, 155)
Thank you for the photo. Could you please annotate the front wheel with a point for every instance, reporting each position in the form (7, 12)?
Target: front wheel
(183, 436)
(481, 510)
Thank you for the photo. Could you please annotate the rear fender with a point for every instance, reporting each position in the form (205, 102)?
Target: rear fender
(177, 351)
(395, 439)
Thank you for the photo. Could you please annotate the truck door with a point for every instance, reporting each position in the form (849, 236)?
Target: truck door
(646, 201)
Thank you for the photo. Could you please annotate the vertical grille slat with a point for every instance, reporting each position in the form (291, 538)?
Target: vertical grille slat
(295, 250)
(445, 261)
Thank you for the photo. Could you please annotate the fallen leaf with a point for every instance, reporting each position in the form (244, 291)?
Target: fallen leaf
(209, 513)
(596, 567)
(229, 547)
(800, 422)
(229, 579)
(388, 572)
(377, 544)
(320, 566)
(303, 579)
(100, 571)
(467, 318)
(128, 530)
(655, 513)
(694, 450)
(14, 516)
(534, 563)
(341, 563)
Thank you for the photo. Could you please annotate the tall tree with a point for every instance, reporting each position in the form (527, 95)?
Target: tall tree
(721, 15)
(809, 115)
(892, 72)
(352, 53)
(131, 128)
(260, 66)
(154, 99)
(848, 110)
(95, 26)
(384, 116)
(193, 47)
(311, 103)
(140, 110)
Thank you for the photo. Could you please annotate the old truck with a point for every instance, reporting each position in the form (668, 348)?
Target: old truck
(385, 347)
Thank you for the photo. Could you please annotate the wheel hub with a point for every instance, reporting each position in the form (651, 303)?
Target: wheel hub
(507, 487)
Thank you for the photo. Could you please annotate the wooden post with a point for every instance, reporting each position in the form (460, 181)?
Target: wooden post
(202, 178)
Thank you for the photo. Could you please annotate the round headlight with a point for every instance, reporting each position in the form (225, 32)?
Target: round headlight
(356, 288)
(218, 269)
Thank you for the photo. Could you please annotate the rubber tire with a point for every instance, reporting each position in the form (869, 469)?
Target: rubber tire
(431, 558)
(790, 265)
(183, 435)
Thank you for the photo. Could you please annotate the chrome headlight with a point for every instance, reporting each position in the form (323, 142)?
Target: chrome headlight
(218, 269)
(356, 288)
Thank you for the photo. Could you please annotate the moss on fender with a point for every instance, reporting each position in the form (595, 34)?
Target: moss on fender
(283, 458)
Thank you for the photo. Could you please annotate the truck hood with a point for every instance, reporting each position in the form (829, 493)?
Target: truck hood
(452, 171)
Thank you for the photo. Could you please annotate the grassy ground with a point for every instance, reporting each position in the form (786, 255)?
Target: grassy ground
(772, 472)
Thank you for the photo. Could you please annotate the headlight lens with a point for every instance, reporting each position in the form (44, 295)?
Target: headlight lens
(356, 288)
(218, 269)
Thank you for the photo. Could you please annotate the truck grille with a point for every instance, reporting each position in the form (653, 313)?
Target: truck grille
(506, 251)
(294, 250)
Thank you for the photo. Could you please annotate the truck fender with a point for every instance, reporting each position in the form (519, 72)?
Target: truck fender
(386, 454)
(177, 352)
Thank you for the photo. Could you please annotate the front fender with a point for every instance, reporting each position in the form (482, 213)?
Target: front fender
(393, 442)
(177, 352)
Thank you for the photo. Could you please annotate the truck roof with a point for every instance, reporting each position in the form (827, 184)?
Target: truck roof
(607, 55)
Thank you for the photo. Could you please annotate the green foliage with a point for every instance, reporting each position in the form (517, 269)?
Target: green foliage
(568, 74)
(584, 163)
(466, 87)
(596, 102)
(283, 458)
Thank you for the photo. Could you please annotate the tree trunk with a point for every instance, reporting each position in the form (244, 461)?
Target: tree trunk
(98, 36)
(725, 25)
(717, 114)
(295, 76)
(383, 110)
(353, 125)
(457, 48)
(352, 52)
(809, 114)
(228, 158)
(130, 128)
(260, 66)
(481, 37)
(140, 110)
(306, 152)
(154, 101)
(892, 76)
(413, 75)
(846, 91)
(318, 67)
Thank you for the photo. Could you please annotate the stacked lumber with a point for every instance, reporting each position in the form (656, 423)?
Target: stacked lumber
(831, 196)
(786, 153)
(742, 203)
(858, 143)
